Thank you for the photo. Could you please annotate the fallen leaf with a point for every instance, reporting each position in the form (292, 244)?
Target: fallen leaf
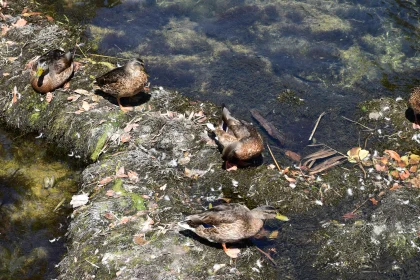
(81, 91)
(110, 193)
(130, 126)
(6, 74)
(293, 156)
(73, 97)
(109, 216)
(49, 18)
(395, 174)
(121, 173)
(85, 106)
(394, 155)
(289, 179)
(349, 215)
(374, 201)
(139, 240)
(105, 181)
(15, 92)
(25, 14)
(413, 168)
(395, 186)
(124, 220)
(12, 58)
(125, 137)
(79, 200)
(132, 176)
(380, 167)
(4, 29)
(49, 97)
(19, 23)
(404, 175)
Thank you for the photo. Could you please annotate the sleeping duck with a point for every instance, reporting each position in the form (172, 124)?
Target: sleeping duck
(51, 70)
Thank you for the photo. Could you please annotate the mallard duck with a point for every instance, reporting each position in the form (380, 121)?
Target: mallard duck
(228, 223)
(51, 70)
(241, 141)
(125, 81)
(414, 104)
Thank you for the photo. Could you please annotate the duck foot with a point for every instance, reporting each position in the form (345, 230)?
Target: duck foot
(232, 252)
(230, 166)
(124, 109)
(416, 126)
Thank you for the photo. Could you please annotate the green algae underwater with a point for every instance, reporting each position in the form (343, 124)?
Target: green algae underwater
(31, 228)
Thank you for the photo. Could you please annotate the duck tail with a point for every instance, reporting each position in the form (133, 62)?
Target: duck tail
(185, 225)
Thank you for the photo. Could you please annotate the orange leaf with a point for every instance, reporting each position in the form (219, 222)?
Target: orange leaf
(380, 167)
(124, 220)
(20, 22)
(49, 18)
(105, 181)
(4, 30)
(395, 174)
(374, 201)
(110, 193)
(395, 187)
(14, 99)
(109, 216)
(139, 239)
(394, 155)
(413, 168)
(349, 215)
(25, 14)
(404, 175)
(292, 155)
(73, 97)
(125, 137)
(132, 176)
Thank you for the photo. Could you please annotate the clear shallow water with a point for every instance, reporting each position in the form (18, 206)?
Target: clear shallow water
(31, 234)
(291, 60)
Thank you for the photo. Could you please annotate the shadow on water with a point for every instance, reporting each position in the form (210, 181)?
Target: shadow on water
(32, 234)
(290, 60)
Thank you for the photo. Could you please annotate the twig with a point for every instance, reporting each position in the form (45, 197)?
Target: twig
(275, 161)
(371, 129)
(267, 255)
(59, 204)
(92, 54)
(316, 125)
(94, 265)
(358, 207)
(81, 50)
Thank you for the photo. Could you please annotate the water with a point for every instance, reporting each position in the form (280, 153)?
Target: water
(32, 238)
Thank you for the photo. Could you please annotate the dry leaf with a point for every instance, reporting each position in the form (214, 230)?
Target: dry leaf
(19, 23)
(274, 234)
(413, 168)
(73, 97)
(349, 215)
(395, 187)
(395, 174)
(289, 179)
(15, 92)
(374, 201)
(49, 97)
(124, 220)
(130, 126)
(380, 168)
(109, 216)
(79, 200)
(110, 193)
(139, 240)
(132, 176)
(12, 58)
(292, 155)
(49, 18)
(121, 173)
(81, 91)
(105, 181)
(394, 155)
(4, 29)
(85, 106)
(24, 14)
(125, 137)
(404, 175)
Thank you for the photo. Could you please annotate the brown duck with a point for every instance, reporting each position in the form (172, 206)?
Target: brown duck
(414, 103)
(51, 70)
(240, 141)
(228, 223)
(125, 81)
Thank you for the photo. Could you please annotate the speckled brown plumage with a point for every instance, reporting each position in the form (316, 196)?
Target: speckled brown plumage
(125, 81)
(228, 223)
(241, 141)
(414, 100)
(51, 70)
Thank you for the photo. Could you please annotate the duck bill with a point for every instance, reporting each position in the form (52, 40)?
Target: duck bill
(39, 72)
(281, 217)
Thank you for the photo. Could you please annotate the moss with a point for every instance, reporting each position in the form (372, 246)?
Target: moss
(138, 201)
(99, 145)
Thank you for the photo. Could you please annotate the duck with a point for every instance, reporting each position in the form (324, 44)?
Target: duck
(414, 105)
(240, 141)
(124, 81)
(51, 70)
(228, 223)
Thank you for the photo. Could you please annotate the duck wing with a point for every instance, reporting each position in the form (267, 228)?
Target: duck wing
(111, 77)
(218, 215)
(238, 127)
(57, 60)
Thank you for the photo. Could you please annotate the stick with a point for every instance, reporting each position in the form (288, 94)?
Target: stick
(357, 123)
(92, 54)
(316, 125)
(267, 255)
(275, 161)
(59, 204)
